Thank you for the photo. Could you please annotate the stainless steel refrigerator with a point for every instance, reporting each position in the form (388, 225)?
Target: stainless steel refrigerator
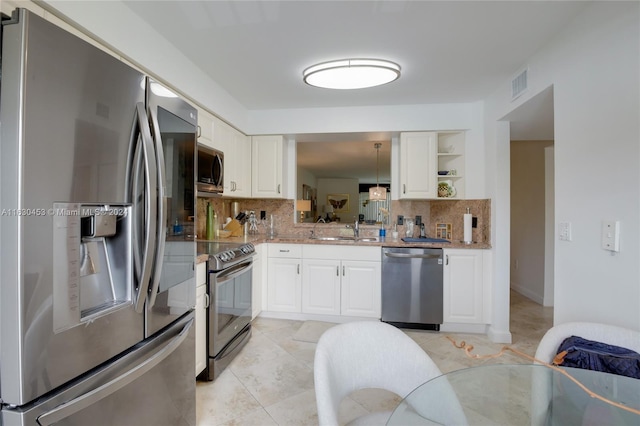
(96, 251)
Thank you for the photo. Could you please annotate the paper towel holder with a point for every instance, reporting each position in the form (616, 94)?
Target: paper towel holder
(467, 227)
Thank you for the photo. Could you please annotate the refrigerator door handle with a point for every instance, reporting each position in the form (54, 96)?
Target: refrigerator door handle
(161, 225)
(142, 154)
(69, 408)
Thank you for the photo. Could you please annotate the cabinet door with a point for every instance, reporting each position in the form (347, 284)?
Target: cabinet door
(321, 286)
(223, 140)
(361, 288)
(241, 166)
(418, 163)
(266, 166)
(205, 129)
(463, 286)
(201, 317)
(284, 285)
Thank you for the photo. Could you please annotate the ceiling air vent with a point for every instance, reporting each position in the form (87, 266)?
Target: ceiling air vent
(519, 84)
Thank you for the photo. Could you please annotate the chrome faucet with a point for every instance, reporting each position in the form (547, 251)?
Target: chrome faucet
(356, 229)
(313, 231)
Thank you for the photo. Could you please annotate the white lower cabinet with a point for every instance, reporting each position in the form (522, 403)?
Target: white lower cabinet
(321, 286)
(284, 283)
(463, 296)
(324, 280)
(201, 317)
(361, 289)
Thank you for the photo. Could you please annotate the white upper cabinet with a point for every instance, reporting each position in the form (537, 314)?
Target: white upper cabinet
(266, 166)
(205, 128)
(240, 164)
(431, 165)
(237, 158)
(418, 165)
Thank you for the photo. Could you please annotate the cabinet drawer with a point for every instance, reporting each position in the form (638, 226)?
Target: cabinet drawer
(285, 250)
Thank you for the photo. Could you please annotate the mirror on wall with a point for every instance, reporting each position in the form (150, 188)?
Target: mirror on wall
(334, 172)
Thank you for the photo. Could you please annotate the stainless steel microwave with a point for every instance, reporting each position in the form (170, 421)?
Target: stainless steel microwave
(210, 171)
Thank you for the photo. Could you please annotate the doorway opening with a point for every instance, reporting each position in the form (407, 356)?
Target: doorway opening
(532, 213)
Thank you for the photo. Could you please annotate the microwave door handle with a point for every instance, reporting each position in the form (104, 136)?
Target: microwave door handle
(220, 180)
(161, 224)
(142, 154)
(69, 408)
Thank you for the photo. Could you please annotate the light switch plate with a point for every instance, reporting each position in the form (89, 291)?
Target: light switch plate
(611, 235)
(564, 229)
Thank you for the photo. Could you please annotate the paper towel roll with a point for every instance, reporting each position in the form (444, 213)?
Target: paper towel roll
(467, 228)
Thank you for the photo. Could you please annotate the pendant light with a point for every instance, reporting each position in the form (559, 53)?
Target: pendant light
(377, 193)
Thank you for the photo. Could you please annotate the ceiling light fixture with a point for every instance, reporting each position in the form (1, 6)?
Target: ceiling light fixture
(351, 73)
(377, 193)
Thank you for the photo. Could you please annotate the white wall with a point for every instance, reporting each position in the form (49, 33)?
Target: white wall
(594, 68)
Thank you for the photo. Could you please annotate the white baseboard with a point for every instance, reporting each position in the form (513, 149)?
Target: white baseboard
(538, 298)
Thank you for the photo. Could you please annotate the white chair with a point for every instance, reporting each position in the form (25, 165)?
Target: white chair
(548, 348)
(609, 334)
(366, 354)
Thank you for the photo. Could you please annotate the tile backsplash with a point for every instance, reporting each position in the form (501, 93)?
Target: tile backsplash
(432, 212)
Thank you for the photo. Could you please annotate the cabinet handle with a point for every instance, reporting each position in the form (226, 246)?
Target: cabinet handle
(207, 300)
(199, 133)
(446, 262)
(278, 188)
(284, 251)
(337, 271)
(298, 269)
(404, 188)
(343, 271)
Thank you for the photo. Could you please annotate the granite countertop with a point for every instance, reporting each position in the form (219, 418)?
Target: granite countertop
(380, 242)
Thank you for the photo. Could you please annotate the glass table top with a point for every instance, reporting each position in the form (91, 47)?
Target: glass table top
(522, 394)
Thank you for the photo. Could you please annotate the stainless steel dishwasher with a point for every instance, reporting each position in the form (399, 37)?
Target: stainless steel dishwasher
(412, 287)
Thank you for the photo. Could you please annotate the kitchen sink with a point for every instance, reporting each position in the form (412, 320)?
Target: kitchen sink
(359, 239)
(368, 239)
(333, 238)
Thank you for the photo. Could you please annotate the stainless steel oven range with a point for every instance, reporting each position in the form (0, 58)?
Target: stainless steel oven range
(229, 311)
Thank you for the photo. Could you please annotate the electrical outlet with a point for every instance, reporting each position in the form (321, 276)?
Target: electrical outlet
(474, 222)
(400, 219)
(564, 229)
(418, 220)
(263, 215)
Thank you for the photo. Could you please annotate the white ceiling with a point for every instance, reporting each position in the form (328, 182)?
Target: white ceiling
(449, 51)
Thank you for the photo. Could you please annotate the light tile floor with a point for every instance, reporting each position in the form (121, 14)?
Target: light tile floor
(271, 381)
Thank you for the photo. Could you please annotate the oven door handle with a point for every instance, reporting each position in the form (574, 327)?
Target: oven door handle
(232, 272)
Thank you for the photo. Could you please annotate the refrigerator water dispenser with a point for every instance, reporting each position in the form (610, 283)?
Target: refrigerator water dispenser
(93, 270)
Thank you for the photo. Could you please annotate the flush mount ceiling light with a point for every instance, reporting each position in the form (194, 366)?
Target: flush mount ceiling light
(351, 73)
